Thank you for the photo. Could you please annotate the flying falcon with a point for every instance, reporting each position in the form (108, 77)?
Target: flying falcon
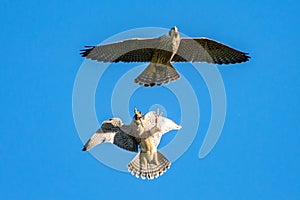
(160, 52)
(143, 134)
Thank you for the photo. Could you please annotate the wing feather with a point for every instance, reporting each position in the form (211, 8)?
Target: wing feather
(110, 132)
(132, 50)
(158, 125)
(207, 50)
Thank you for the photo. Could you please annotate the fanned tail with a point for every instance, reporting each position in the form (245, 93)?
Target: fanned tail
(145, 165)
(157, 74)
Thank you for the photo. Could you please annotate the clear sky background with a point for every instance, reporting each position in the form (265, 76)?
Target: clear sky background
(257, 155)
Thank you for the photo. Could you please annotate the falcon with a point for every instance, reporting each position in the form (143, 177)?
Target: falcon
(163, 51)
(142, 135)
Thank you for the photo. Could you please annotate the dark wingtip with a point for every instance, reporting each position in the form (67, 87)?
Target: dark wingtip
(84, 149)
(246, 56)
(85, 52)
(243, 58)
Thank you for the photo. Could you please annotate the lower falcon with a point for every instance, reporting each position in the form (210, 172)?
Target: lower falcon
(143, 133)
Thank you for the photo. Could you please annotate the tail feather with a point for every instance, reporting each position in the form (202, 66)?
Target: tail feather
(157, 74)
(149, 166)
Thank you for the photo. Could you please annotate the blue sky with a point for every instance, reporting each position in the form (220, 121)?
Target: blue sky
(257, 155)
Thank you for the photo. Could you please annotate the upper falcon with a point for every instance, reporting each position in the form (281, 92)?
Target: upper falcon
(160, 52)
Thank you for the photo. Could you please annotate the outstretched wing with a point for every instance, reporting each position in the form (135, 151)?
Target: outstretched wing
(132, 50)
(157, 125)
(207, 50)
(165, 125)
(110, 132)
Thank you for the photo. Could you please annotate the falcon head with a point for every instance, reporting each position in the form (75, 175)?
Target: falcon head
(137, 114)
(138, 117)
(173, 32)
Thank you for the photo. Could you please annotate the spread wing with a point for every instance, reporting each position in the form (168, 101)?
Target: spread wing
(165, 125)
(207, 50)
(110, 132)
(132, 50)
(158, 125)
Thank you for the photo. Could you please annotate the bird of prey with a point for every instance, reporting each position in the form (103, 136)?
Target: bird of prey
(160, 52)
(143, 134)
